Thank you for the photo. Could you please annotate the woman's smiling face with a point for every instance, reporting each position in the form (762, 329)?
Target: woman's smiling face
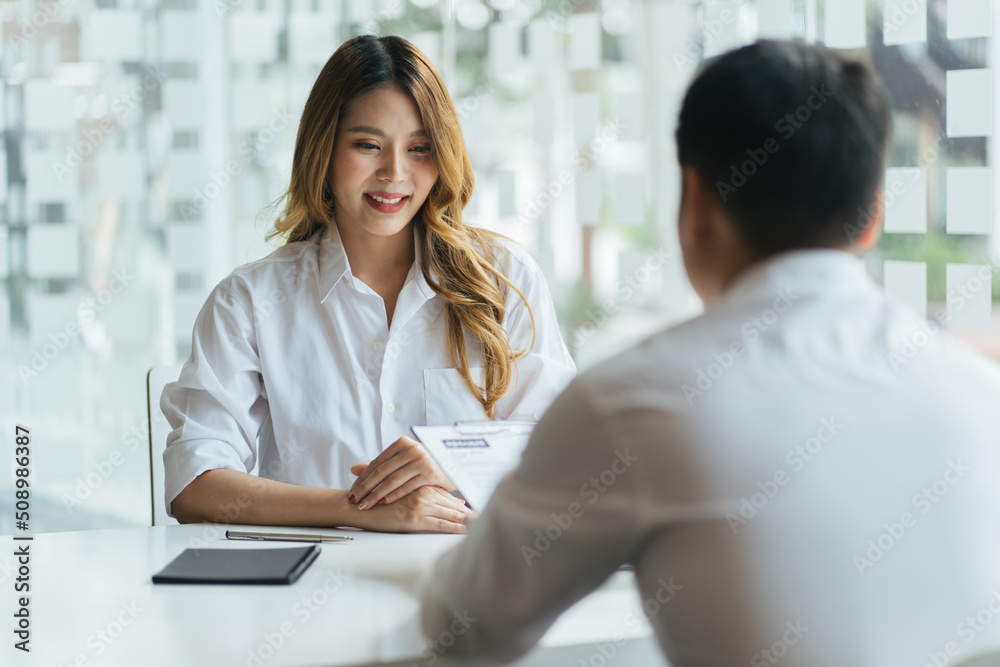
(382, 167)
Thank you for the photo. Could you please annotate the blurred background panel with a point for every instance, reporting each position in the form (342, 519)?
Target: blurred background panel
(146, 140)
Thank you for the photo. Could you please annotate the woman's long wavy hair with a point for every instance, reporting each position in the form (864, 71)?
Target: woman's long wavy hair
(461, 256)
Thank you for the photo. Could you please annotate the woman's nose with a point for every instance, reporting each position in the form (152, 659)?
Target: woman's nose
(392, 168)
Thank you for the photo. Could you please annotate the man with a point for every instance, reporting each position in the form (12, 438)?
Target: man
(806, 474)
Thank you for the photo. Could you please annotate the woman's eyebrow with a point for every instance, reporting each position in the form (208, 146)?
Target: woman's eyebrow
(367, 129)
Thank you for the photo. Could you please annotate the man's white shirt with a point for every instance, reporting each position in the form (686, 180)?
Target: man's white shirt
(296, 350)
(806, 474)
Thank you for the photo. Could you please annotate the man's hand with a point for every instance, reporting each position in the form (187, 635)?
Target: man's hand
(400, 470)
(428, 508)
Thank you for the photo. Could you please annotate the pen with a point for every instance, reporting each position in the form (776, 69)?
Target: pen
(285, 537)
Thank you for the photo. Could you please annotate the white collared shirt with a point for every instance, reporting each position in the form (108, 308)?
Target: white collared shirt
(805, 475)
(296, 350)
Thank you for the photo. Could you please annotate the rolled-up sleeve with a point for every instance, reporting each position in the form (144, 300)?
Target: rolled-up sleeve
(547, 368)
(217, 406)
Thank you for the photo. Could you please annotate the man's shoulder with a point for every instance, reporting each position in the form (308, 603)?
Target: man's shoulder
(953, 360)
(652, 373)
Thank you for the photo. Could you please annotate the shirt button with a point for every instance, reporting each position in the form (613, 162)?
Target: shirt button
(378, 345)
(390, 408)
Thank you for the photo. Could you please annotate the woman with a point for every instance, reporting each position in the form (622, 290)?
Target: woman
(383, 310)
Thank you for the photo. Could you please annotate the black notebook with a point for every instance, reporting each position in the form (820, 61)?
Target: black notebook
(238, 566)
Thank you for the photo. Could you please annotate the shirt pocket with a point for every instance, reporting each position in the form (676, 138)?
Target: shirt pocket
(447, 398)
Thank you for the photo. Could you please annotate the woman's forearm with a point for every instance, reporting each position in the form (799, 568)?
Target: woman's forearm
(230, 496)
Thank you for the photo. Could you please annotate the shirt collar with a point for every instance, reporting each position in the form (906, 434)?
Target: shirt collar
(334, 265)
(806, 271)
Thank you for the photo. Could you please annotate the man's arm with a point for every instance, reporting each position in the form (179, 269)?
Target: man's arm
(555, 529)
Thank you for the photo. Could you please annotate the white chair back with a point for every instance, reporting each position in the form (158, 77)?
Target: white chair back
(157, 378)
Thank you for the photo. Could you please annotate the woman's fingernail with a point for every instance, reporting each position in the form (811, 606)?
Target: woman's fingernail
(351, 498)
(363, 505)
(382, 502)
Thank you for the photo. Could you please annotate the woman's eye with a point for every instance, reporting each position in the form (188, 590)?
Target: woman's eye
(421, 149)
(366, 146)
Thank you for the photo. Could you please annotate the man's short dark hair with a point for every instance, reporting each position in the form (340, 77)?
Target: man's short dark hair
(793, 139)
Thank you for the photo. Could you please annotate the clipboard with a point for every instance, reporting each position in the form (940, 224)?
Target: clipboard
(476, 455)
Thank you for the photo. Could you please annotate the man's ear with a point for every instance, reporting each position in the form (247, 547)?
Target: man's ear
(697, 203)
(873, 226)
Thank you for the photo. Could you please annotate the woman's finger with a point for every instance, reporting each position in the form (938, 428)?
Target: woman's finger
(375, 474)
(447, 502)
(390, 495)
(385, 455)
(403, 481)
(444, 526)
(411, 461)
(391, 482)
(443, 513)
(401, 446)
(391, 478)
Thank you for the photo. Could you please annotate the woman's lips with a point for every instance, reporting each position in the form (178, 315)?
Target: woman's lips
(391, 202)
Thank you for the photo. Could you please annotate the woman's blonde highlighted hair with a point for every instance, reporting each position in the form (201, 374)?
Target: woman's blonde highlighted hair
(461, 256)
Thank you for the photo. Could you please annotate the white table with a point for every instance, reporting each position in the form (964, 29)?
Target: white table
(93, 603)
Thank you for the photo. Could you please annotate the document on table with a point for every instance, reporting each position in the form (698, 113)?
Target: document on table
(476, 455)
